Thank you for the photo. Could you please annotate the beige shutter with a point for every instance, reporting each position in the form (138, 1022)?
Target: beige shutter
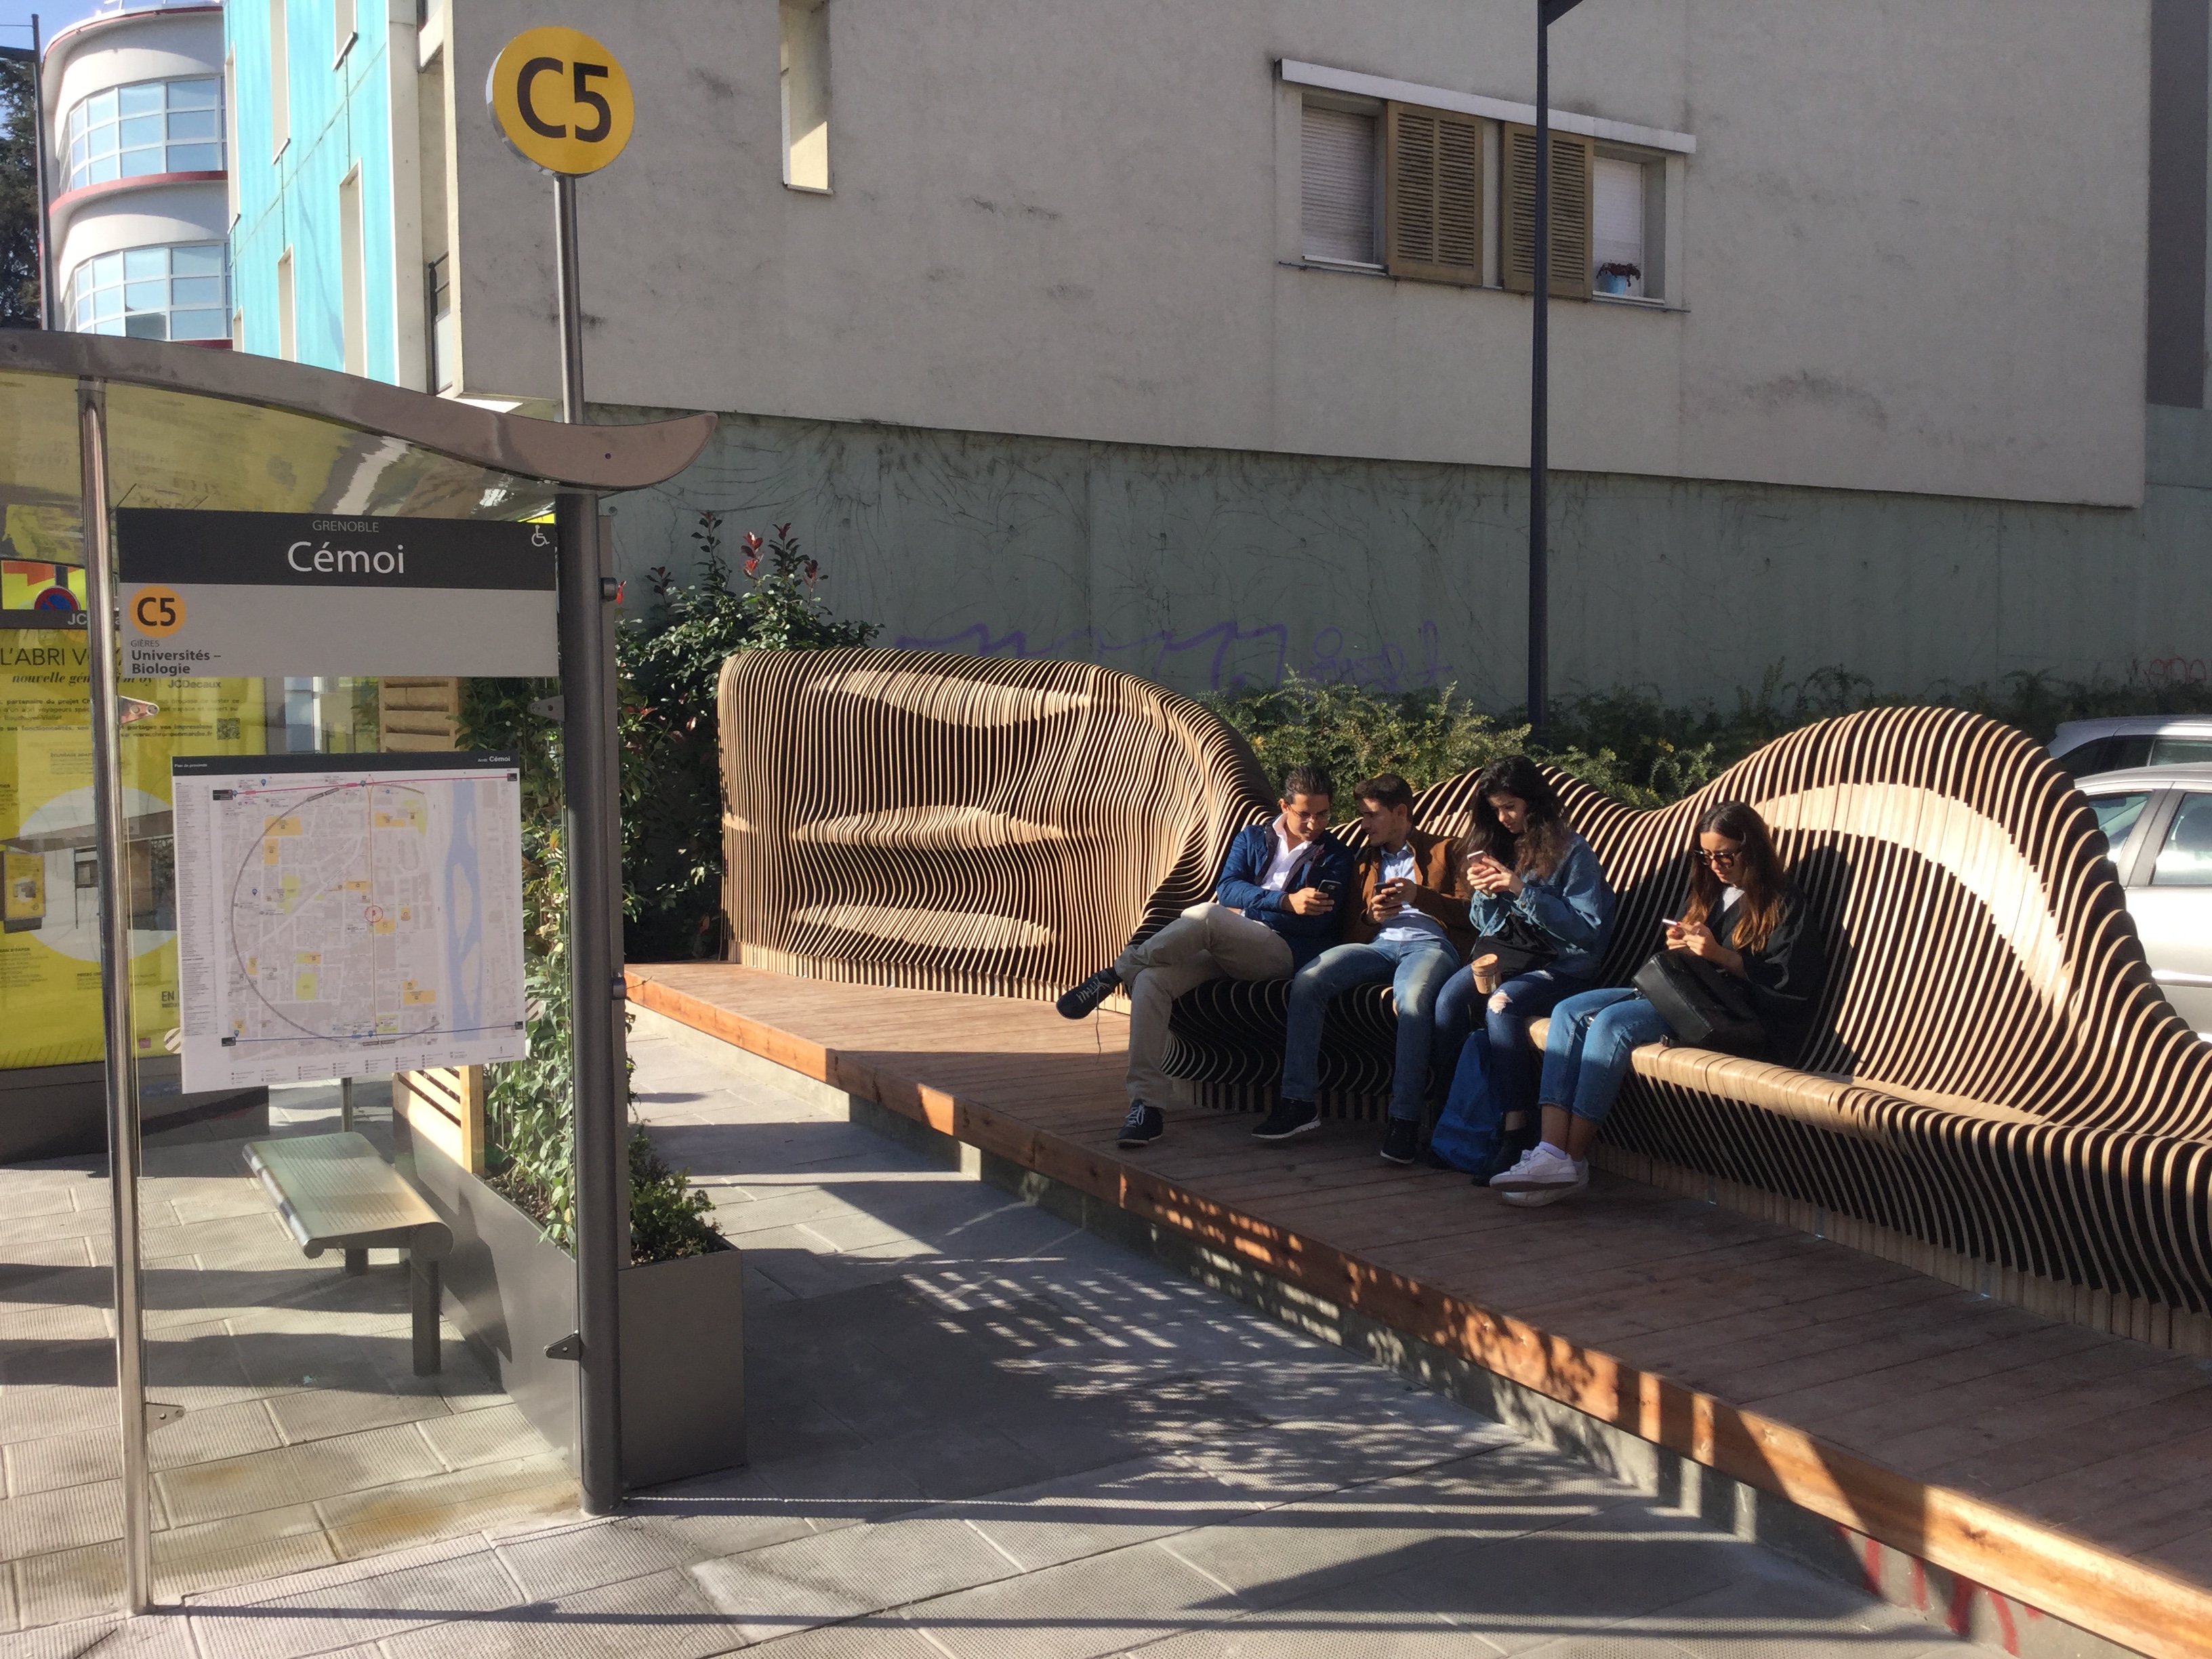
(1432, 195)
(1570, 212)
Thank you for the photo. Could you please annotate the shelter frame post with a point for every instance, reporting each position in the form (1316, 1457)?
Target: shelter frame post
(592, 833)
(110, 831)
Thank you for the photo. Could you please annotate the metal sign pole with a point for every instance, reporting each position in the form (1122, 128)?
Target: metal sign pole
(49, 311)
(1540, 390)
(1540, 413)
(109, 829)
(591, 837)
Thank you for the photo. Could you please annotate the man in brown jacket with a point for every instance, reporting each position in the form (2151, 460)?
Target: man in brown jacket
(1405, 924)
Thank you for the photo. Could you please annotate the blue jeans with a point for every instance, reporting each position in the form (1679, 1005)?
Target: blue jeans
(1492, 1076)
(1416, 971)
(1586, 1056)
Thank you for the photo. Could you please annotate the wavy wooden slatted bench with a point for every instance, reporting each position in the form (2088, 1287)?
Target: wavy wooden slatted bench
(334, 1193)
(1998, 1088)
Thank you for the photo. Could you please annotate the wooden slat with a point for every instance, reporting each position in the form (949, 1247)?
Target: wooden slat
(904, 1049)
(419, 716)
(447, 1107)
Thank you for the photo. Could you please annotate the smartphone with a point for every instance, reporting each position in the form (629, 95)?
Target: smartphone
(1328, 889)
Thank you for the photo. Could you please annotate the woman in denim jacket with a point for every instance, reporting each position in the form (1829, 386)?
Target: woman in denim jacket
(1528, 867)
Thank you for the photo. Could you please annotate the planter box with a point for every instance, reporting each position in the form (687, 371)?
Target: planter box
(683, 1367)
(509, 1292)
(683, 1329)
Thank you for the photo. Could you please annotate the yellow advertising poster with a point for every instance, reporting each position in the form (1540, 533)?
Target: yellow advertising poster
(50, 1012)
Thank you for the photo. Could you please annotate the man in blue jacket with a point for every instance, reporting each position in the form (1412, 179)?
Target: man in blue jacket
(1273, 911)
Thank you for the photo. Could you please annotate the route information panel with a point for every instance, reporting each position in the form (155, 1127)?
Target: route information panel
(347, 915)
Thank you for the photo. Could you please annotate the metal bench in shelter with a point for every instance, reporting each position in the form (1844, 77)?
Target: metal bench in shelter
(335, 1192)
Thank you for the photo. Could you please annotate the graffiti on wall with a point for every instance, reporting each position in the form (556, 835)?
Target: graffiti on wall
(2177, 671)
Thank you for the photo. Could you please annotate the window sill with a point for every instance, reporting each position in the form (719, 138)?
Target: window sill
(1640, 301)
(808, 189)
(1341, 267)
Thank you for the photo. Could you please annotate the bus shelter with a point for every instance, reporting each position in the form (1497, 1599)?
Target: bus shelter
(97, 430)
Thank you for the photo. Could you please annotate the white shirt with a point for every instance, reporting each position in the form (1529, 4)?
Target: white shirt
(1730, 897)
(1287, 854)
(1408, 923)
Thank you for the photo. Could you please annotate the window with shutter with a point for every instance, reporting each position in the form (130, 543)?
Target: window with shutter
(1432, 195)
(1572, 158)
(1336, 185)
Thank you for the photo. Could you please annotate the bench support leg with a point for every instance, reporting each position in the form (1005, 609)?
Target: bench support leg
(424, 1281)
(356, 1263)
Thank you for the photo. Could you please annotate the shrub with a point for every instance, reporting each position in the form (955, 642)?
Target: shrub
(1425, 736)
(668, 664)
(1625, 740)
(666, 1218)
(671, 659)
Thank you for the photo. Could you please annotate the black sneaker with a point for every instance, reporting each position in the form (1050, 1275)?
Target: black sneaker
(1144, 1125)
(1513, 1145)
(1289, 1117)
(1083, 1002)
(1401, 1140)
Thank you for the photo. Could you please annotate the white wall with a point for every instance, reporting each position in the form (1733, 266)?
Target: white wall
(1911, 239)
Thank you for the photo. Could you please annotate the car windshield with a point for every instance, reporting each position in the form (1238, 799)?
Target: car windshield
(2116, 818)
(2185, 860)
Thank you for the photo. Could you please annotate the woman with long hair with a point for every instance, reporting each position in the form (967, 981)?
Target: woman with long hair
(1747, 918)
(1544, 913)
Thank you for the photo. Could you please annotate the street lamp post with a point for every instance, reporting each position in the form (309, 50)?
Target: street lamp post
(1548, 13)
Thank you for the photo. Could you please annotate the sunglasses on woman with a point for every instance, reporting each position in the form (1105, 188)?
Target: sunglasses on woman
(1717, 860)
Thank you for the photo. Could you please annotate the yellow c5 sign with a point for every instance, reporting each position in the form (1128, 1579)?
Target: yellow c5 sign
(561, 100)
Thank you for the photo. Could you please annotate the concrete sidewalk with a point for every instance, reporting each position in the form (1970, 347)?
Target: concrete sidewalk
(976, 1432)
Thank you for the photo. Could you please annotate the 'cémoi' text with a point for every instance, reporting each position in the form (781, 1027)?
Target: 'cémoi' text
(309, 560)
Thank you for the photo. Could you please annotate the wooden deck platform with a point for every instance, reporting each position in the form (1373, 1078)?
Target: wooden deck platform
(2051, 1463)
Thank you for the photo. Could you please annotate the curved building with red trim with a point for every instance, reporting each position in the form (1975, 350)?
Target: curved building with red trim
(137, 134)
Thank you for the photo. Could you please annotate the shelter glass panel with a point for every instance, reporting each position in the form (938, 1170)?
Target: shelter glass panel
(272, 1356)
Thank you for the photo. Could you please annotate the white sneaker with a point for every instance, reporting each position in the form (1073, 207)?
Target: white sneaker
(1537, 1197)
(1540, 1168)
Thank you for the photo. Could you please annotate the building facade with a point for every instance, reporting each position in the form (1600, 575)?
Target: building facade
(136, 149)
(327, 245)
(1196, 340)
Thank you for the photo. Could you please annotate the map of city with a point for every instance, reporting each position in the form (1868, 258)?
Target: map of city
(358, 915)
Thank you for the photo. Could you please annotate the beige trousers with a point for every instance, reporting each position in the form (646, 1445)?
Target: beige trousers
(1207, 941)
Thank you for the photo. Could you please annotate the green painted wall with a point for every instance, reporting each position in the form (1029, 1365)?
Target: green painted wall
(1200, 569)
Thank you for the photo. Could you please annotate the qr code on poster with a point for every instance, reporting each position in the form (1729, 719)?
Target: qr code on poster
(226, 729)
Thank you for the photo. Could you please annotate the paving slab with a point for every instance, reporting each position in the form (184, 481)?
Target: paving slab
(974, 1432)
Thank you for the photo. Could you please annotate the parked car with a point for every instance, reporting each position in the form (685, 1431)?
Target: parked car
(2087, 747)
(2157, 823)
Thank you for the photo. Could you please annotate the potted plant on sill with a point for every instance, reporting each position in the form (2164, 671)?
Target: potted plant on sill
(1614, 277)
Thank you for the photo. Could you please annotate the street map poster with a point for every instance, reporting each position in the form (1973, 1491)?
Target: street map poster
(49, 1005)
(347, 915)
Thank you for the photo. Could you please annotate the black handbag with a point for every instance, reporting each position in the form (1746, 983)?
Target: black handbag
(1518, 947)
(1704, 1006)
